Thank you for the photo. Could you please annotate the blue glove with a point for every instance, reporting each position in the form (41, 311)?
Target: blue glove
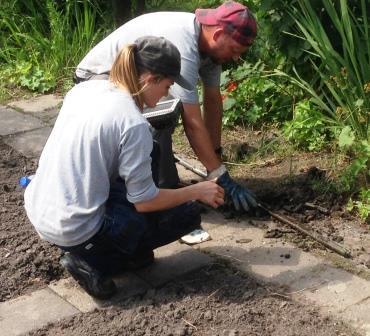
(240, 196)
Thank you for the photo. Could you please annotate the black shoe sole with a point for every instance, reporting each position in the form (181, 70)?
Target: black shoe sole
(140, 261)
(90, 280)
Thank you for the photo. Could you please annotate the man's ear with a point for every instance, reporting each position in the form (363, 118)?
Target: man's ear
(217, 33)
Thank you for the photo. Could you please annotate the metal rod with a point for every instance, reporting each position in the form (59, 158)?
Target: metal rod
(187, 165)
(329, 244)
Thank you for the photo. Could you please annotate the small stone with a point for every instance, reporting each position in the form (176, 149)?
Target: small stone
(283, 304)
(247, 295)
(338, 238)
(243, 241)
(208, 315)
(143, 323)
(178, 313)
(364, 259)
(181, 331)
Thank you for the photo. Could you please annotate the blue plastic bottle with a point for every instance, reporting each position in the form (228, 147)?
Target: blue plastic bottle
(24, 181)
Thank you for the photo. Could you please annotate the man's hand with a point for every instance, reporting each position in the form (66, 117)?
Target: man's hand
(241, 197)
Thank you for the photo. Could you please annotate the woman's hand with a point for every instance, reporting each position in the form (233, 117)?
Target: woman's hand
(209, 192)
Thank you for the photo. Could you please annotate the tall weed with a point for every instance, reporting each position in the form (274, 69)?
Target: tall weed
(342, 89)
(43, 46)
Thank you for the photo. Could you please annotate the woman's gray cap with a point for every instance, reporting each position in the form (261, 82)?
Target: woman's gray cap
(160, 56)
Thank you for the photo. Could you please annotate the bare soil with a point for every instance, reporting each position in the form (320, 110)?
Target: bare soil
(213, 301)
(26, 262)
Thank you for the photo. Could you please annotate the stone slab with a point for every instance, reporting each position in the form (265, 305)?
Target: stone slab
(48, 116)
(37, 104)
(332, 288)
(50, 119)
(227, 232)
(172, 261)
(33, 311)
(271, 264)
(359, 316)
(14, 122)
(269, 260)
(128, 285)
(212, 220)
(31, 143)
(187, 175)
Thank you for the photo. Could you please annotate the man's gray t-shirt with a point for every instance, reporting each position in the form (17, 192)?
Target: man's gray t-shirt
(100, 134)
(181, 29)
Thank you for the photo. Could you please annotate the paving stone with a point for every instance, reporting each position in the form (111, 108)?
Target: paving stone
(269, 264)
(33, 311)
(358, 315)
(31, 143)
(267, 259)
(188, 176)
(128, 285)
(212, 220)
(332, 288)
(37, 104)
(279, 264)
(172, 261)
(13, 121)
(50, 119)
(226, 232)
(48, 116)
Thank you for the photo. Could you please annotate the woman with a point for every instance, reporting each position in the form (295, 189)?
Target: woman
(93, 194)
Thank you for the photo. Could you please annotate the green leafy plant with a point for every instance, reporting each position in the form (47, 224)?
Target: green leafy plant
(251, 96)
(362, 205)
(34, 77)
(307, 129)
(358, 172)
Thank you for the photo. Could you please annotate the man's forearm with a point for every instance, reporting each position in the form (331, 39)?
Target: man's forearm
(212, 114)
(199, 137)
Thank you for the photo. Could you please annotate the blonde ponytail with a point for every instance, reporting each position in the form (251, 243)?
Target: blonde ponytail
(124, 73)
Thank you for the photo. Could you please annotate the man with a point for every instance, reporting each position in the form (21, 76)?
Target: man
(205, 40)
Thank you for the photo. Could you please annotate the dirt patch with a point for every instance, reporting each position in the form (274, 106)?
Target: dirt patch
(26, 262)
(213, 301)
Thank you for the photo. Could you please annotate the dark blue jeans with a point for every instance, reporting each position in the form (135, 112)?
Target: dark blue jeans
(126, 233)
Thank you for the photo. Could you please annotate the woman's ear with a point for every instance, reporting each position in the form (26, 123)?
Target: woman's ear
(147, 78)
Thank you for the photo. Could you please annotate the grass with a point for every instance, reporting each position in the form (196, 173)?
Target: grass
(42, 43)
